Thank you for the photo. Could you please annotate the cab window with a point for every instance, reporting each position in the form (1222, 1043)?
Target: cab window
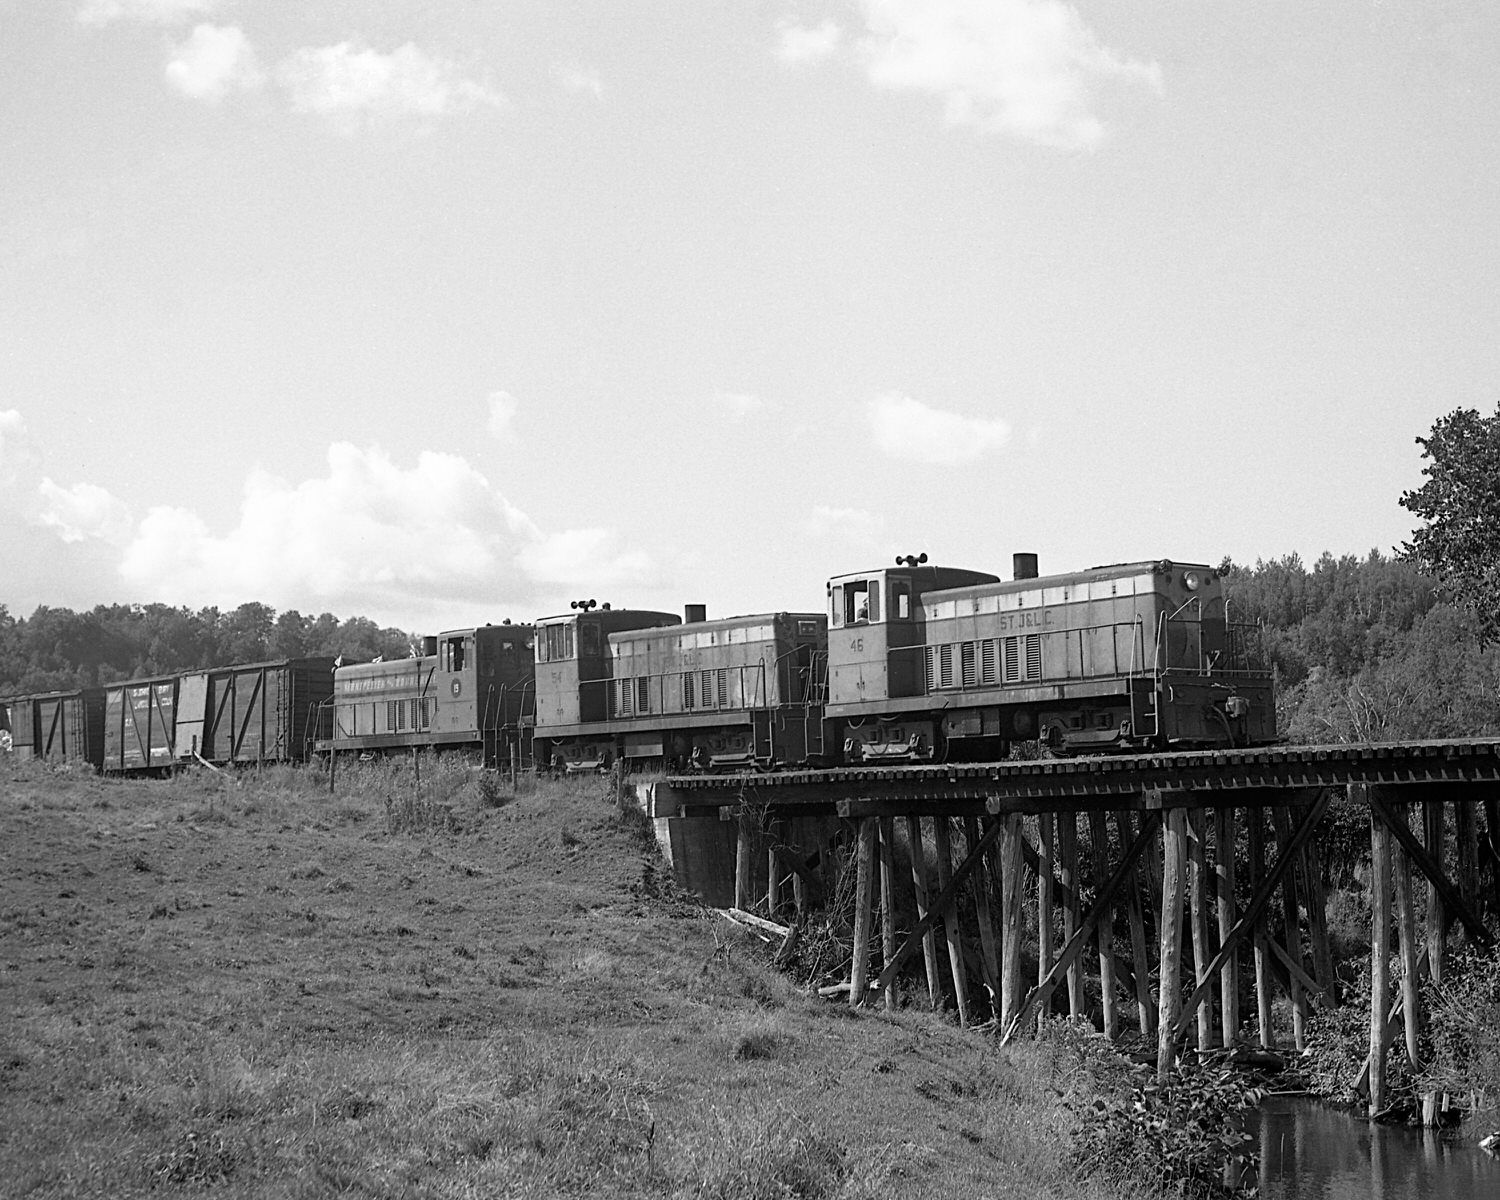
(453, 654)
(900, 600)
(554, 643)
(588, 639)
(861, 602)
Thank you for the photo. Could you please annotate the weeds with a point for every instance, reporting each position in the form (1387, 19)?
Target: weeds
(196, 1159)
(1183, 1132)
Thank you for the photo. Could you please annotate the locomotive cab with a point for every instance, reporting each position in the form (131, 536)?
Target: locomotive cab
(574, 671)
(876, 682)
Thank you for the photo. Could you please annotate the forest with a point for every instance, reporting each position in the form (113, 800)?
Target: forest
(57, 649)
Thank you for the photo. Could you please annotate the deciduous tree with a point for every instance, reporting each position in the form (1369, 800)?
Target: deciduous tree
(1460, 543)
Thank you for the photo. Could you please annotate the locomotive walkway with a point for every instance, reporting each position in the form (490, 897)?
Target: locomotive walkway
(1187, 855)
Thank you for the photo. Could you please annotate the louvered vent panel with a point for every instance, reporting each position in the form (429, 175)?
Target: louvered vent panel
(987, 661)
(1033, 656)
(1012, 661)
(968, 664)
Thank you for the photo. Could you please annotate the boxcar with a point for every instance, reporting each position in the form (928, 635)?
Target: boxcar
(923, 665)
(255, 713)
(58, 727)
(574, 677)
(471, 689)
(140, 725)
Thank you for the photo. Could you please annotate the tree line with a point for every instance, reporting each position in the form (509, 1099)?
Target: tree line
(1367, 649)
(1380, 648)
(56, 649)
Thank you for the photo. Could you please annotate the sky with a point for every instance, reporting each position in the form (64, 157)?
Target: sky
(450, 311)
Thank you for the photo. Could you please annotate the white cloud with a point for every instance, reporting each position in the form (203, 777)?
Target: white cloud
(907, 428)
(83, 511)
(850, 526)
(213, 61)
(370, 535)
(15, 447)
(589, 558)
(12, 432)
(802, 43)
(576, 79)
(502, 406)
(160, 12)
(348, 80)
(1027, 68)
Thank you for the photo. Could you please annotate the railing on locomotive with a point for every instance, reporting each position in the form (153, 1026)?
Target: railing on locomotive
(1235, 659)
(1130, 671)
(617, 712)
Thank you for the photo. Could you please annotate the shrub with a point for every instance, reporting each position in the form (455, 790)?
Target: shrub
(1184, 1132)
(1463, 1014)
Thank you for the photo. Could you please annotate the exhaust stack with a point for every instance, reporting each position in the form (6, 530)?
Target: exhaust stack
(1023, 566)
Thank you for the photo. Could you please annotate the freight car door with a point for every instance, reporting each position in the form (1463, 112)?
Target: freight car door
(192, 713)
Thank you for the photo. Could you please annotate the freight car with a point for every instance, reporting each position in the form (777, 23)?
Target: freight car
(56, 727)
(928, 663)
(739, 692)
(248, 714)
(256, 713)
(471, 689)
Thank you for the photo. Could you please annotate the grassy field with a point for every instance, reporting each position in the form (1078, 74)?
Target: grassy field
(252, 988)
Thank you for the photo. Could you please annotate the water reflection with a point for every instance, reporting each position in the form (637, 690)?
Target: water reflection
(1312, 1151)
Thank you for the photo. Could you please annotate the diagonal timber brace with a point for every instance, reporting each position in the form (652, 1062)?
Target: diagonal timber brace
(1453, 901)
(1254, 911)
(941, 903)
(1103, 903)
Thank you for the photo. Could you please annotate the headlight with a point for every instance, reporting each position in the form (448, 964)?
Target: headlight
(1192, 580)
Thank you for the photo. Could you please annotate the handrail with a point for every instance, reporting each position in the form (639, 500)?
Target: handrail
(752, 687)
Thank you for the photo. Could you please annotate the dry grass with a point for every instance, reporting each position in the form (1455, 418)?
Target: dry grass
(450, 988)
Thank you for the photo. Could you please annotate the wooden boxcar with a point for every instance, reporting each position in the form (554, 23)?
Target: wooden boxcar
(58, 727)
(140, 725)
(255, 713)
(923, 665)
(474, 690)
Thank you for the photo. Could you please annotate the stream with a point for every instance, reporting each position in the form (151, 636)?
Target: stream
(1315, 1151)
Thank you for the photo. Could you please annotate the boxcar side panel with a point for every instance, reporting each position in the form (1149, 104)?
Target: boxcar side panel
(192, 717)
(140, 725)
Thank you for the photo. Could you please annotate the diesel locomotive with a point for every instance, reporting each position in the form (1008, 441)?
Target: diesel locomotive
(929, 663)
(740, 692)
(470, 690)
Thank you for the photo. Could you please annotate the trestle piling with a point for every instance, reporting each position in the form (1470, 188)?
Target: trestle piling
(1177, 886)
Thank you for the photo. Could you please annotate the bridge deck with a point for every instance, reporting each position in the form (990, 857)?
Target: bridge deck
(1161, 778)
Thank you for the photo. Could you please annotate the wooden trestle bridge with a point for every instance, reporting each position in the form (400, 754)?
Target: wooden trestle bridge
(1166, 827)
